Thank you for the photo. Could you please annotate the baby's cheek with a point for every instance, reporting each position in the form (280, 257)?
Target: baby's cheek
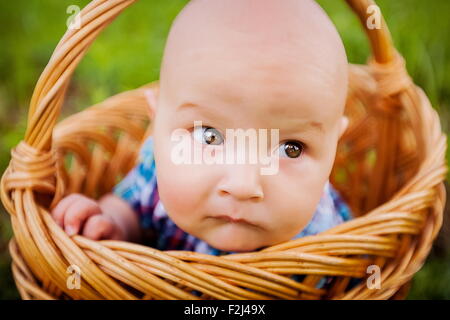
(181, 190)
(176, 189)
(171, 178)
(296, 201)
(296, 216)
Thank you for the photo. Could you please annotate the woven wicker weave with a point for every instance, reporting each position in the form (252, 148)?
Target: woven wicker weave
(390, 168)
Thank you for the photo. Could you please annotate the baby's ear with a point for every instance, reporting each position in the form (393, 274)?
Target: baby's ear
(151, 96)
(344, 125)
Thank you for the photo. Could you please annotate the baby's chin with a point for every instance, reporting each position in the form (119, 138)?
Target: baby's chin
(234, 237)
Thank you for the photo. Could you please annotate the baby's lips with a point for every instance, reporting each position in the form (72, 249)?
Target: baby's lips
(231, 219)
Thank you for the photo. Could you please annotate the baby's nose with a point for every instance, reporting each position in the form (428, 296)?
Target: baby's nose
(243, 182)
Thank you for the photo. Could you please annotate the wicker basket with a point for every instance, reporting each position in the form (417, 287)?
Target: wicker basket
(390, 168)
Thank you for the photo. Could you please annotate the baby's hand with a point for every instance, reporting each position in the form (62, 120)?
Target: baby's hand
(78, 214)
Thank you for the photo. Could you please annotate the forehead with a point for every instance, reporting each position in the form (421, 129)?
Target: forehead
(254, 84)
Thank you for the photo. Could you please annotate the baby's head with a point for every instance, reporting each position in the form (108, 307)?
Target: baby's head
(249, 64)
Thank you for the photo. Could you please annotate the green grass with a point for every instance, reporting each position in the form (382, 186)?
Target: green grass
(128, 55)
(433, 280)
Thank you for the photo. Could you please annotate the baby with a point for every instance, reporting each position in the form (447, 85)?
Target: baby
(233, 64)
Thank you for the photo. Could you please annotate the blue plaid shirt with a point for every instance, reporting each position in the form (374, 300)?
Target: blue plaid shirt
(139, 188)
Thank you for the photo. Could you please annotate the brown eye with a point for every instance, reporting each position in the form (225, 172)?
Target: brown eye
(208, 135)
(291, 149)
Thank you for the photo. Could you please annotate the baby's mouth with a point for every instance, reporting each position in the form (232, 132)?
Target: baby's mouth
(235, 220)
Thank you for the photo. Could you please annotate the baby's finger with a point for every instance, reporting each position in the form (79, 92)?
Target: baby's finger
(78, 213)
(60, 209)
(98, 228)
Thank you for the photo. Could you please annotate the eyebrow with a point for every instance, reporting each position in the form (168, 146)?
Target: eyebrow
(315, 125)
(188, 106)
(318, 126)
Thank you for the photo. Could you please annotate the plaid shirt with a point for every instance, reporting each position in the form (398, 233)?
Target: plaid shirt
(139, 188)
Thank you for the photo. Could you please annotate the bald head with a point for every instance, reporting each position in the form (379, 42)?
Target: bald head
(283, 39)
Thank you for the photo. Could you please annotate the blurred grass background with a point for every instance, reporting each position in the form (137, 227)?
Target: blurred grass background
(128, 55)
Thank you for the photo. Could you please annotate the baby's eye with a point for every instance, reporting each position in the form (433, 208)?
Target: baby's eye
(291, 149)
(208, 135)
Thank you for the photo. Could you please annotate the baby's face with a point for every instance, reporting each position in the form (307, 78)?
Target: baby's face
(252, 84)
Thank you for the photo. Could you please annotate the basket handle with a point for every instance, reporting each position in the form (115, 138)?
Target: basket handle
(49, 93)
